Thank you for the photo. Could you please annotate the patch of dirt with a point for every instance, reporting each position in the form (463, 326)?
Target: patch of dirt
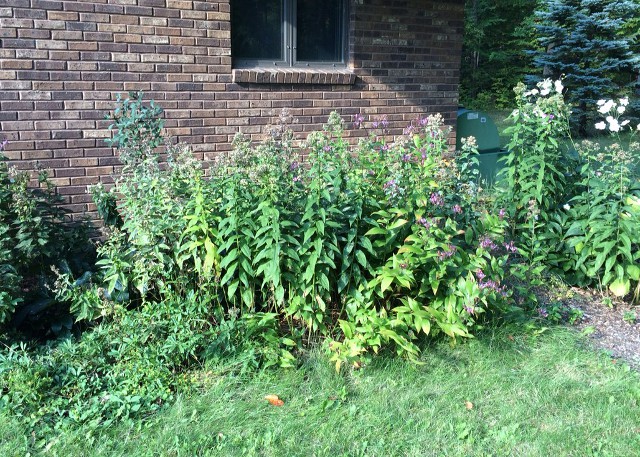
(613, 326)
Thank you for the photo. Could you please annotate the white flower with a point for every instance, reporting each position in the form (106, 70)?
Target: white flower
(601, 125)
(566, 207)
(621, 109)
(623, 123)
(559, 86)
(545, 87)
(624, 101)
(613, 124)
(607, 106)
(601, 102)
(638, 127)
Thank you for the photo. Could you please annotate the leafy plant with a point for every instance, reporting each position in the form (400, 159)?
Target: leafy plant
(137, 129)
(34, 236)
(603, 221)
(630, 317)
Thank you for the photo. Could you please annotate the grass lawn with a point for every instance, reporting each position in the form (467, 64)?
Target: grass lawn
(508, 392)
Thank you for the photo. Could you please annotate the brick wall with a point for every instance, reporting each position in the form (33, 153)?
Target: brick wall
(62, 63)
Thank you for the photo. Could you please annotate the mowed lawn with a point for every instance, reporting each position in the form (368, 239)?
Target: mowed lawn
(508, 392)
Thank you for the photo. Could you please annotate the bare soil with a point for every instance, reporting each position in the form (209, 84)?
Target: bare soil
(608, 324)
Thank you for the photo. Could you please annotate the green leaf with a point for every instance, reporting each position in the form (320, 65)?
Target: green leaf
(361, 258)
(397, 224)
(634, 272)
(620, 287)
(386, 283)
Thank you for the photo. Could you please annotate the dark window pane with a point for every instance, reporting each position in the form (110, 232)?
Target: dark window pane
(257, 29)
(319, 30)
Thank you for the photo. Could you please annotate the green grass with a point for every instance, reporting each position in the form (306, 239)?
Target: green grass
(532, 396)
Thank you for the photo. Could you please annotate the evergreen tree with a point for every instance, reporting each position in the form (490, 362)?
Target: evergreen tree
(591, 45)
(498, 34)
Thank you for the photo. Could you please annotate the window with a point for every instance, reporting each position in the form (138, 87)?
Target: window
(288, 33)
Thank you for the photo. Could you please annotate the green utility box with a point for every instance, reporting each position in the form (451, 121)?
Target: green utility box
(478, 124)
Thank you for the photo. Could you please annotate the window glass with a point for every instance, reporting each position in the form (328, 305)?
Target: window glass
(319, 30)
(257, 30)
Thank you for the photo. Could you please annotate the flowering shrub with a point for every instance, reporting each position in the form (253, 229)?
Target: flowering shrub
(603, 221)
(368, 247)
(539, 173)
(365, 248)
(576, 215)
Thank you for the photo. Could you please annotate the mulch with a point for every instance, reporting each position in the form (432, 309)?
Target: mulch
(603, 321)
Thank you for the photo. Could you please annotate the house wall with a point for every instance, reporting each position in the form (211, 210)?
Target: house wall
(62, 63)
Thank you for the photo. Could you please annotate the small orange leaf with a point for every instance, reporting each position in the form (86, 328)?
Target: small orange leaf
(274, 400)
(468, 405)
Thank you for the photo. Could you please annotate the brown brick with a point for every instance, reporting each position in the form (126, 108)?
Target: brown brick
(127, 38)
(9, 33)
(46, 4)
(68, 154)
(98, 36)
(94, 17)
(62, 15)
(78, 6)
(49, 24)
(36, 155)
(64, 75)
(21, 43)
(179, 53)
(82, 46)
(31, 33)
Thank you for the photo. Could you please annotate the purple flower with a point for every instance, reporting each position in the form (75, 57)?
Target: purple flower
(297, 179)
(457, 209)
(374, 124)
(492, 286)
(502, 213)
(424, 121)
(426, 224)
(327, 148)
(480, 274)
(510, 247)
(446, 253)
(358, 120)
(384, 122)
(487, 243)
(470, 309)
(391, 188)
(406, 158)
(294, 166)
(436, 199)
(3, 144)
(543, 312)
(408, 130)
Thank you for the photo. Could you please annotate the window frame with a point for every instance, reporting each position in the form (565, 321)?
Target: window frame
(288, 22)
